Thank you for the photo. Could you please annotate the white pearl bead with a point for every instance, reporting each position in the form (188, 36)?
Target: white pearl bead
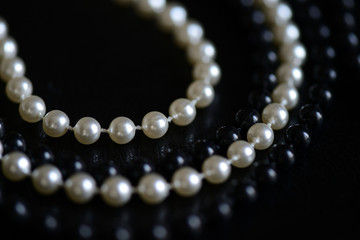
(286, 95)
(276, 115)
(216, 169)
(122, 130)
(87, 130)
(202, 92)
(80, 187)
(183, 111)
(55, 123)
(46, 179)
(153, 188)
(267, 3)
(279, 14)
(3, 28)
(116, 191)
(287, 33)
(241, 153)
(17, 89)
(186, 181)
(172, 17)
(294, 53)
(190, 33)
(8, 48)
(204, 51)
(150, 7)
(155, 125)
(1, 150)
(209, 72)
(12, 68)
(261, 135)
(288, 73)
(32, 109)
(16, 166)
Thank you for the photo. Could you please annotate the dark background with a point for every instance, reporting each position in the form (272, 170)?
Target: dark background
(92, 58)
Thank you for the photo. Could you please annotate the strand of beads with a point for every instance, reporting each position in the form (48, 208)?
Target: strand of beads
(172, 17)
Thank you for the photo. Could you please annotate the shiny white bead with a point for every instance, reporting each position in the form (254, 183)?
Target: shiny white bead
(241, 153)
(216, 169)
(279, 14)
(122, 130)
(12, 68)
(150, 7)
(16, 166)
(55, 123)
(80, 187)
(202, 92)
(294, 53)
(186, 181)
(204, 51)
(87, 130)
(32, 109)
(288, 73)
(286, 95)
(46, 179)
(276, 115)
(8, 48)
(3, 28)
(116, 191)
(209, 72)
(17, 89)
(191, 33)
(172, 17)
(153, 188)
(155, 125)
(287, 33)
(182, 111)
(261, 135)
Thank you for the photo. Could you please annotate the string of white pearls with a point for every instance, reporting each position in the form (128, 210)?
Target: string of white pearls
(188, 34)
(186, 181)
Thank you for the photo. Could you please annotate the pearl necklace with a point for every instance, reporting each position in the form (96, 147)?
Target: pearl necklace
(153, 188)
(188, 34)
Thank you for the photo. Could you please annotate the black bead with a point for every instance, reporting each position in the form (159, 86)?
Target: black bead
(321, 95)
(311, 115)
(138, 168)
(72, 164)
(325, 74)
(265, 79)
(174, 159)
(245, 118)
(282, 155)
(265, 175)
(41, 154)
(204, 149)
(259, 99)
(14, 141)
(105, 170)
(246, 193)
(226, 135)
(298, 136)
(2, 128)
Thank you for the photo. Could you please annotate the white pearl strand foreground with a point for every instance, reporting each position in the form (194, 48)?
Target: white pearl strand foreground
(186, 181)
(172, 17)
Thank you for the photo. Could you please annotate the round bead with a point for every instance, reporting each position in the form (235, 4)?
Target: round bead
(287, 33)
(294, 53)
(3, 28)
(261, 135)
(122, 130)
(14, 141)
(241, 153)
(276, 115)
(153, 188)
(209, 72)
(32, 109)
(80, 187)
(226, 135)
(12, 68)
(87, 130)
(46, 179)
(17, 89)
(298, 135)
(1, 149)
(204, 52)
(173, 16)
(204, 149)
(41, 154)
(2, 128)
(259, 98)
(155, 125)
(201, 92)
(286, 95)
(245, 118)
(186, 181)
(116, 191)
(265, 175)
(125, 2)
(183, 111)
(8, 48)
(216, 169)
(282, 155)
(55, 123)
(287, 73)
(321, 94)
(16, 166)
(311, 115)
(150, 7)
(280, 14)
(190, 33)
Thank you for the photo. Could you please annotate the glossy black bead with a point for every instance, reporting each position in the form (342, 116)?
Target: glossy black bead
(259, 99)
(298, 136)
(226, 135)
(265, 79)
(174, 159)
(325, 74)
(71, 164)
(265, 57)
(138, 168)
(245, 118)
(2, 129)
(265, 175)
(41, 154)
(105, 170)
(282, 155)
(321, 95)
(203, 149)
(311, 116)
(246, 193)
(14, 141)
